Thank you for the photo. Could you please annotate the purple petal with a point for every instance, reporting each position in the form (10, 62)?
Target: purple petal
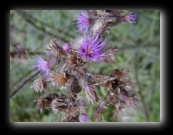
(83, 118)
(83, 21)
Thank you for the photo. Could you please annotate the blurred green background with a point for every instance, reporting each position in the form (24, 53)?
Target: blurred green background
(138, 50)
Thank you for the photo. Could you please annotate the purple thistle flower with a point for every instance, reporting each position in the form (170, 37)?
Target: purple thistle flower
(83, 118)
(66, 47)
(91, 49)
(130, 18)
(83, 21)
(42, 65)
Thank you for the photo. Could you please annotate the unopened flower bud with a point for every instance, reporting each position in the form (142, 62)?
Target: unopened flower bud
(130, 18)
(66, 47)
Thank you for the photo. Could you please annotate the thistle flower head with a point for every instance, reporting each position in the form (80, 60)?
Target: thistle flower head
(91, 49)
(42, 65)
(130, 18)
(83, 118)
(83, 21)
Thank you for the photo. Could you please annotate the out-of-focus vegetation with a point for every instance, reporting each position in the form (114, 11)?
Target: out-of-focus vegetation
(138, 50)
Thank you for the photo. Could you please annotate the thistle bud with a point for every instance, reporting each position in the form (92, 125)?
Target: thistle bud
(66, 47)
(130, 18)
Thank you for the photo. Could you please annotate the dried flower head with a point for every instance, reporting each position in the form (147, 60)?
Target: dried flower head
(59, 104)
(39, 84)
(120, 74)
(45, 101)
(103, 24)
(73, 62)
(53, 50)
(59, 79)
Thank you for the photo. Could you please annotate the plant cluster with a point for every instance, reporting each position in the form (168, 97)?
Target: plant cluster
(65, 69)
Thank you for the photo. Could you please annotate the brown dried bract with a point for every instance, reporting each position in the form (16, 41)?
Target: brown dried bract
(59, 79)
(55, 49)
(121, 75)
(73, 62)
